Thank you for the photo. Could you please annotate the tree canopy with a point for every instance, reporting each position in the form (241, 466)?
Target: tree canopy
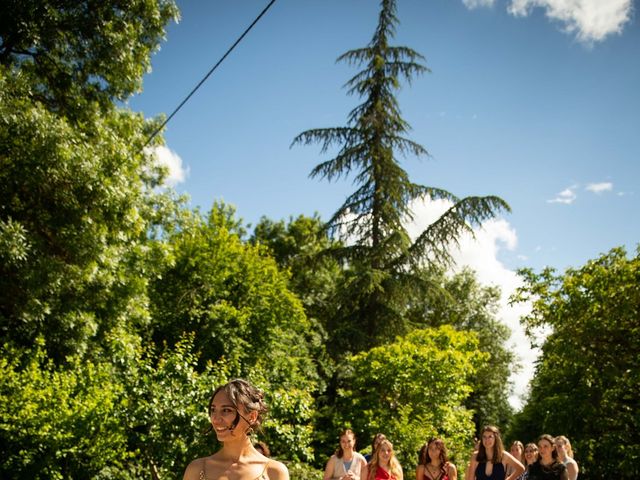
(587, 381)
(372, 221)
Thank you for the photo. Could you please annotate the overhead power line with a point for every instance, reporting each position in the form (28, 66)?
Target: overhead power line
(204, 79)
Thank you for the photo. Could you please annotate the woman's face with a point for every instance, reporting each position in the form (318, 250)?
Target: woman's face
(347, 442)
(530, 455)
(545, 448)
(488, 439)
(223, 414)
(434, 451)
(561, 448)
(516, 451)
(385, 453)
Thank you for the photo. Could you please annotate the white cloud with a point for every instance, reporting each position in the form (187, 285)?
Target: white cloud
(471, 4)
(481, 254)
(566, 196)
(589, 20)
(600, 187)
(168, 158)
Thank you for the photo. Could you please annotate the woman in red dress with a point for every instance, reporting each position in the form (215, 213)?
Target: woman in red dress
(384, 464)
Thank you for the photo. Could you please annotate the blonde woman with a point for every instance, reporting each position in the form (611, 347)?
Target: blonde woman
(565, 456)
(384, 465)
(236, 409)
(346, 463)
(517, 450)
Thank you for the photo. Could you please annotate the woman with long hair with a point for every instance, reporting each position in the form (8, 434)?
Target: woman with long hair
(491, 461)
(346, 463)
(565, 456)
(547, 467)
(374, 444)
(530, 456)
(236, 410)
(517, 450)
(384, 465)
(434, 463)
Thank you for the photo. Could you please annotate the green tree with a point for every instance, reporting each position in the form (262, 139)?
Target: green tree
(76, 190)
(234, 299)
(461, 301)
(300, 247)
(59, 423)
(411, 389)
(380, 253)
(75, 208)
(76, 52)
(587, 381)
(89, 419)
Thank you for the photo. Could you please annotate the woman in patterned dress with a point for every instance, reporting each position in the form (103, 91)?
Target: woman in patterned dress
(434, 463)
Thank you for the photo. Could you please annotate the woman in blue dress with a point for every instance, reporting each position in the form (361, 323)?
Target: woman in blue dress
(491, 461)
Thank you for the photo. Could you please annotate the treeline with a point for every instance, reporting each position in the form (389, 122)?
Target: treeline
(121, 309)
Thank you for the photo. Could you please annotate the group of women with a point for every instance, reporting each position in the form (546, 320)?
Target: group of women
(237, 408)
(551, 458)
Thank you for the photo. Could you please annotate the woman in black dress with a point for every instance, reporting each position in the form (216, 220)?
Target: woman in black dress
(547, 467)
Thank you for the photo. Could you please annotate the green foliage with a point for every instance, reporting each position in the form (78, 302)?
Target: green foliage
(462, 302)
(120, 310)
(411, 389)
(74, 210)
(59, 423)
(235, 301)
(587, 382)
(79, 51)
(301, 471)
(300, 248)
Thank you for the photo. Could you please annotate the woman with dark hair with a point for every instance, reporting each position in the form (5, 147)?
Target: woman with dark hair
(434, 463)
(374, 444)
(346, 463)
(384, 465)
(491, 461)
(530, 457)
(236, 410)
(262, 448)
(547, 467)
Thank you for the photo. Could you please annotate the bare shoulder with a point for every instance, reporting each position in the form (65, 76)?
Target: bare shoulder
(193, 470)
(277, 471)
(452, 467)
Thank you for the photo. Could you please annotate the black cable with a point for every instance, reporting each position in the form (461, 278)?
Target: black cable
(209, 73)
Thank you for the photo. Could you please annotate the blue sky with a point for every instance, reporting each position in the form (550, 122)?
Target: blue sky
(536, 101)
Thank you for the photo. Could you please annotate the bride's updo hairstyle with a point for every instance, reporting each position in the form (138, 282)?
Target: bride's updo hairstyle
(244, 394)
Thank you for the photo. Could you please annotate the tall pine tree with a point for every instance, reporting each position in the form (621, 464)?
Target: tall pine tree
(381, 258)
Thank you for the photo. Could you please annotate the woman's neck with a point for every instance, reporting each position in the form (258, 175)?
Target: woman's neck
(546, 460)
(347, 455)
(435, 463)
(235, 449)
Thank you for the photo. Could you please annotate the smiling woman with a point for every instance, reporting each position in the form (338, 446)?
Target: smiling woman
(236, 410)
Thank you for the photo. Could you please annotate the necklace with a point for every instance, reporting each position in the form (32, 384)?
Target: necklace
(434, 472)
